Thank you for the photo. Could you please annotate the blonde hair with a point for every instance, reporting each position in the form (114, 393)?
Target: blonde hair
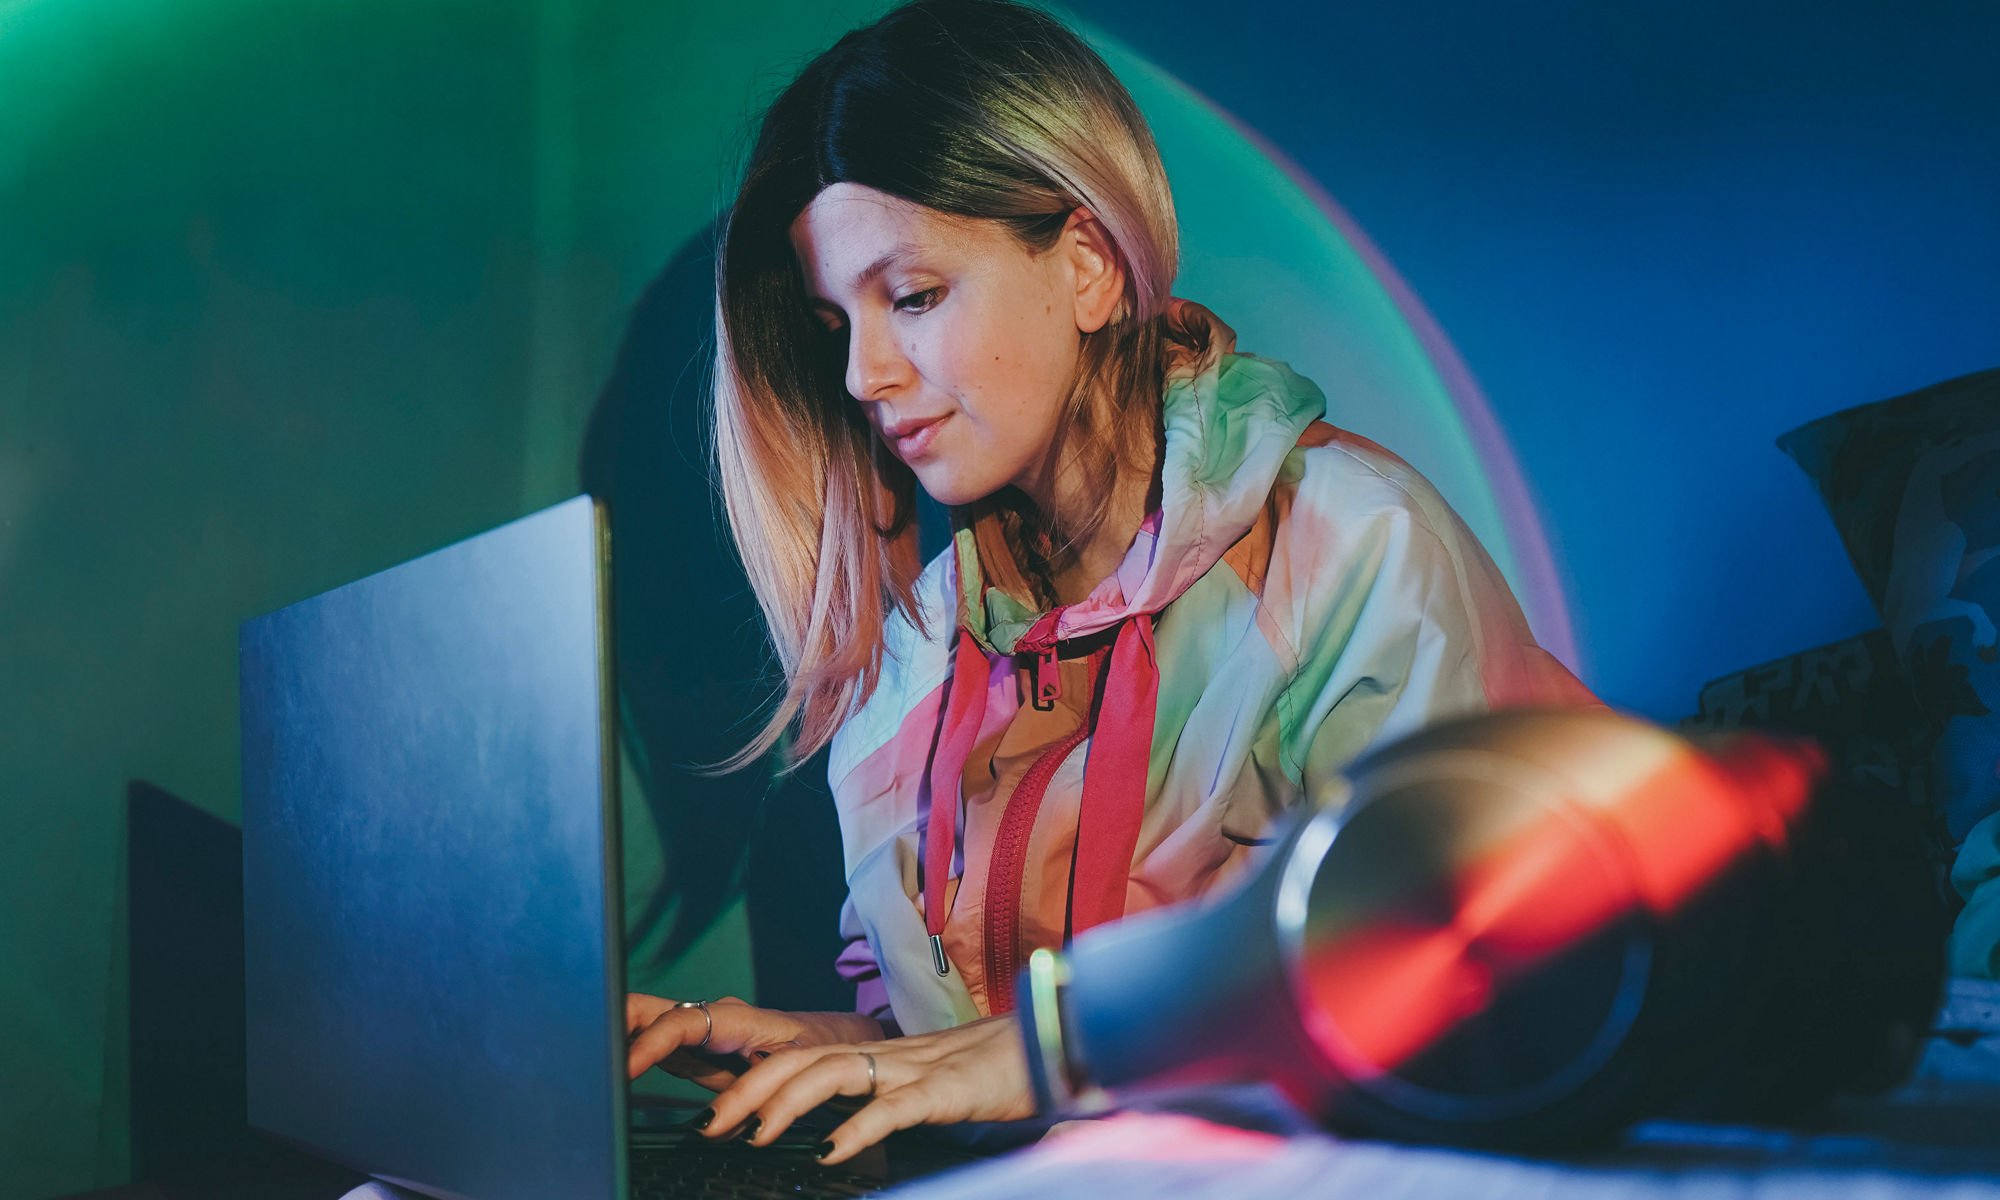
(982, 109)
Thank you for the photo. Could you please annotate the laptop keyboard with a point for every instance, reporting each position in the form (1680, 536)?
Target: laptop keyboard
(702, 1172)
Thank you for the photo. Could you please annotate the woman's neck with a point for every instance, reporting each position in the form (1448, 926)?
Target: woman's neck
(1085, 565)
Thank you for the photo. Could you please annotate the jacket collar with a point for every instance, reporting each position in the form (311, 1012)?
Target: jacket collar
(1230, 420)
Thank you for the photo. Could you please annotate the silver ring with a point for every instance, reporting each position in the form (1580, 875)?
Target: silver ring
(705, 1015)
(871, 1071)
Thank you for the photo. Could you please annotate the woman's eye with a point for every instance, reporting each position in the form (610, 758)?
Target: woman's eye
(922, 300)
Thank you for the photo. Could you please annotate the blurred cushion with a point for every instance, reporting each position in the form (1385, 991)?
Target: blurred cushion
(1913, 485)
(1852, 695)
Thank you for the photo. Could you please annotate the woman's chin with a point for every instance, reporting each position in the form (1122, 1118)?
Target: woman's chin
(951, 489)
(952, 498)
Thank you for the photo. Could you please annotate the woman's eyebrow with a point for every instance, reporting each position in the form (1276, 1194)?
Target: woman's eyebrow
(874, 270)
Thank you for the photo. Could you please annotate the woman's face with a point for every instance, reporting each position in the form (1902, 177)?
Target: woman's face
(960, 345)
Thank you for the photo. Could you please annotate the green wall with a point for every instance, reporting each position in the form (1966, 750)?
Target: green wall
(288, 293)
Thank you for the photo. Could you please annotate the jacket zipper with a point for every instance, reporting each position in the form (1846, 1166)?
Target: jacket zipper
(1010, 852)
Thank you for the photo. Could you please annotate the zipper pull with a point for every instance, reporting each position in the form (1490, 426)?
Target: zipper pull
(938, 959)
(1047, 680)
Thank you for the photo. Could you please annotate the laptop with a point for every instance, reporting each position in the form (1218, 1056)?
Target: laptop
(434, 963)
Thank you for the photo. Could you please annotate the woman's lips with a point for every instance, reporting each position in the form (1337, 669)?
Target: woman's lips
(912, 439)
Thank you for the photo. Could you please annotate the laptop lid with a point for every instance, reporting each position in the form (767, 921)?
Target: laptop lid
(434, 982)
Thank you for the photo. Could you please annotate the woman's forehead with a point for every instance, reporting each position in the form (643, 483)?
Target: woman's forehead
(850, 235)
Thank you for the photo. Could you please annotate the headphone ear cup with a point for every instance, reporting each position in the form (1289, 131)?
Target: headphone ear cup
(1849, 974)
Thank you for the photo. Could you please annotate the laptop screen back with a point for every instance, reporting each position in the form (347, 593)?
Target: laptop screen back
(434, 982)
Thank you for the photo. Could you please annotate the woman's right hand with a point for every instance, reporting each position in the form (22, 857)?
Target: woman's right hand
(659, 1033)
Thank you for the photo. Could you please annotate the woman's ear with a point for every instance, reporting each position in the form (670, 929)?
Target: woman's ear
(1095, 266)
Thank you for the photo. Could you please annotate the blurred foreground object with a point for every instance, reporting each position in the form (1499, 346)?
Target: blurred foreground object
(1526, 929)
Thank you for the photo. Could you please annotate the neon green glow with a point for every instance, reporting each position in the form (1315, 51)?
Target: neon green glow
(1257, 251)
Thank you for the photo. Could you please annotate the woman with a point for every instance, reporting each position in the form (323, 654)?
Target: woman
(1176, 601)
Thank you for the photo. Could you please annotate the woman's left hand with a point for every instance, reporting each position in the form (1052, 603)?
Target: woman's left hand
(973, 1072)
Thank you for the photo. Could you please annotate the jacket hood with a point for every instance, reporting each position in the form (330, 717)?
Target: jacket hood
(1230, 421)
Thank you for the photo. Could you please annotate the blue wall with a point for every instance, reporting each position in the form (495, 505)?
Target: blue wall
(1660, 235)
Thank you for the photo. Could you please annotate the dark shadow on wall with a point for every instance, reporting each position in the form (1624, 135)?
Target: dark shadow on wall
(191, 1137)
(694, 669)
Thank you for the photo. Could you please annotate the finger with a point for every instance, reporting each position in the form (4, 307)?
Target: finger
(757, 1085)
(641, 1010)
(837, 1074)
(670, 1031)
(712, 1071)
(906, 1106)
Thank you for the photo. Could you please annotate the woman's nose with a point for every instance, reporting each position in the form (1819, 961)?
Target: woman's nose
(876, 364)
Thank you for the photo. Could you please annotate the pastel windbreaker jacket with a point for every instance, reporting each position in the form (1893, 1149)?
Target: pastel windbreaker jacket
(1299, 596)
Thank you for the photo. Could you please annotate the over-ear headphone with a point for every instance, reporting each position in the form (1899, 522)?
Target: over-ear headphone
(1525, 929)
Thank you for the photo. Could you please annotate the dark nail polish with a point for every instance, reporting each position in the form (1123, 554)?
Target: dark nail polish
(750, 1128)
(700, 1120)
(823, 1149)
